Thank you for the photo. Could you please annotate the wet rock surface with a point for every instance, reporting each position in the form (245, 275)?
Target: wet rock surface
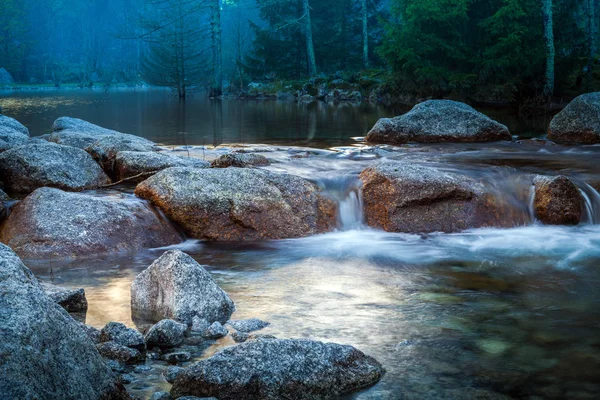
(240, 160)
(53, 223)
(176, 287)
(578, 122)
(279, 369)
(77, 133)
(106, 149)
(129, 164)
(235, 204)
(557, 201)
(42, 361)
(72, 300)
(26, 168)
(436, 121)
(406, 197)
(12, 133)
(166, 333)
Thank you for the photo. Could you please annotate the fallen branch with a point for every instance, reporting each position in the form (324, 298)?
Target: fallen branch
(131, 178)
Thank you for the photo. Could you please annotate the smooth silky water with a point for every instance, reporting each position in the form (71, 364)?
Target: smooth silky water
(480, 314)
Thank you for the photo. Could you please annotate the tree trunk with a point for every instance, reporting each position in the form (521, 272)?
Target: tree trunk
(365, 32)
(549, 45)
(217, 81)
(591, 40)
(310, 48)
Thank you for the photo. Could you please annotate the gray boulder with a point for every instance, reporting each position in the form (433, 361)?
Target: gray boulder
(436, 121)
(578, 122)
(77, 133)
(234, 204)
(12, 133)
(105, 150)
(45, 354)
(53, 223)
(117, 352)
(216, 331)
(240, 160)
(72, 300)
(248, 325)
(557, 201)
(166, 333)
(405, 197)
(280, 369)
(176, 287)
(120, 334)
(26, 168)
(130, 164)
(91, 332)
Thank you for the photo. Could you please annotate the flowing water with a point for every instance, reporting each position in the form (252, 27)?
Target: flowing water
(482, 314)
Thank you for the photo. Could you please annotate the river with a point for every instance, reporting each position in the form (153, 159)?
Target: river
(482, 314)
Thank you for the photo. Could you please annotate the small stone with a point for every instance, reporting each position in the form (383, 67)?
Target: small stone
(216, 331)
(127, 378)
(248, 325)
(177, 357)
(72, 300)
(240, 337)
(117, 352)
(171, 373)
(115, 365)
(142, 369)
(161, 396)
(199, 324)
(240, 160)
(166, 333)
(120, 334)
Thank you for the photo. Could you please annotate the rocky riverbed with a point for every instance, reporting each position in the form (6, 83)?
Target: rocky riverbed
(202, 264)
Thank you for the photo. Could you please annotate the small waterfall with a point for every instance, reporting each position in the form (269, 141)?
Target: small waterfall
(346, 190)
(531, 205)
(591, 201)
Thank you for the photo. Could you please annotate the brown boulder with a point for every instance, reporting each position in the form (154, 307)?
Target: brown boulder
(234, 204)
(403, 197)
(557, 201)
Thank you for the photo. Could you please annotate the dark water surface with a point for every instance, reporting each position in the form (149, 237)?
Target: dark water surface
(160, 117)
(482, 314)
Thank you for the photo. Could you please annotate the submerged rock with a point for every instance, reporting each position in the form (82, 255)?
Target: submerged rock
(12, 133)
(45, 354)
(129, 164)
(176, 287)
(234, 204)
(578, 122)
(240, 160)
(177, 357)
(280, 369)
(120, 334)
(403, 197)
(166, 333)
(557, 201)
(77, 133)
(248, 325)
(53, 223)
(105, 150)
(72, 300)
(436, 121)
(26, 168)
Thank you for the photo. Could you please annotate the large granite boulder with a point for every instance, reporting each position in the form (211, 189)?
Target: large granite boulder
(176, 287)
(77, 133)
(12, 133)
(578, 122)
(44, 352)
(436, 121)
(240, 160)
(557, 201)
(129, 164)
(279, 369)
(26, 168)
(105, 150)
(234, 204)
(72, 300)
(52, 223)
(403, 197)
